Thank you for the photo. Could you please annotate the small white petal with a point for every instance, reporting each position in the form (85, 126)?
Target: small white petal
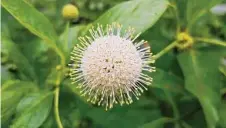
(110, 66)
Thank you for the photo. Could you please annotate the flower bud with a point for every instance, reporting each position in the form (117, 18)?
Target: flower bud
(70, 12)
(184, 37)
(185, 40)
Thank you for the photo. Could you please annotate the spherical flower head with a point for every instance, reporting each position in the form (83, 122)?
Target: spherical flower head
(110, 66)
(70, 12)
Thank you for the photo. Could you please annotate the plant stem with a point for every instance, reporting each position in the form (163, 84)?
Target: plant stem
(57, 89)
(56, 107)
(61, 55)
(62, 63)
(59, 76)
(165, 50)
(211, 41)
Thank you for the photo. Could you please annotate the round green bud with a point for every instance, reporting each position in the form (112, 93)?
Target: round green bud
(185, 37)
(70, 12)
(185, 40)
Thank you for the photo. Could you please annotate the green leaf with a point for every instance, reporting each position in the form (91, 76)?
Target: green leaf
(33, 110)
(32, 19)
(186, 125)
(222, 113)
(69, 114)
(72, 88)
(222, 67)
(191, 112)
(12, 92)
(40, 59)
(167, 87)
(126, 117)
(9, 100)
(70, 37)
(157, 40)
(139, 14)
(14, 55)
(167, 81)
(197, 8)
(50, 121)
(19, 85)
(5, 74)
(202, 79)
(158, 123)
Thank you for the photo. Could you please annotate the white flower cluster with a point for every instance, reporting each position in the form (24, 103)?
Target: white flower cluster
(110, 66)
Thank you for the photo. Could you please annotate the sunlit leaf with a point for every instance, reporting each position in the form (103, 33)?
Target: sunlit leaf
(33, 110)
(9, 100)
(30, 18)
(139, 14)
(12, 92)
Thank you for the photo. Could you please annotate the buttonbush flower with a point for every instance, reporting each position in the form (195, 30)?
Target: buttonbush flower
(110, 67)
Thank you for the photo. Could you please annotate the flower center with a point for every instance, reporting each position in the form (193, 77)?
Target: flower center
(111, 61)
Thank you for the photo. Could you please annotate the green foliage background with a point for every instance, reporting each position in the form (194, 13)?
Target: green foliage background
(189, 86)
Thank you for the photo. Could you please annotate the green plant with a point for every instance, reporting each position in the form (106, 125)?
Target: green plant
(189, 50)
